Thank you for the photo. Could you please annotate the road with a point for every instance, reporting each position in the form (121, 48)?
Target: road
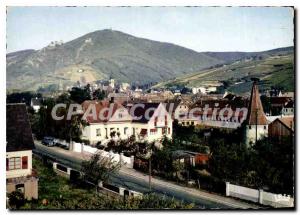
(138, 181)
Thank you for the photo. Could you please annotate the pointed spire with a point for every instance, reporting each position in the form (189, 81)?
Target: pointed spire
(256, 115)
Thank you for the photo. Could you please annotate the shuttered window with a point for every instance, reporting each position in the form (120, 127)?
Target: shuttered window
(24, 162)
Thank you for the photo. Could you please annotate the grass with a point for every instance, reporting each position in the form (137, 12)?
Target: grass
(56, 192)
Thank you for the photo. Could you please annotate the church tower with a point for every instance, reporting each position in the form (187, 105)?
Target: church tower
(256, 121)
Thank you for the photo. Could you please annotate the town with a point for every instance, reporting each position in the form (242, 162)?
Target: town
(150, 108)
(205, 141)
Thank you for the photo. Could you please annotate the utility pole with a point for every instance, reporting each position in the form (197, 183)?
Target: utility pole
(256, 125)
(150, 158)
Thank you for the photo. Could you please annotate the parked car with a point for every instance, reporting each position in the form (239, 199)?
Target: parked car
(56, 142)
(48, 141)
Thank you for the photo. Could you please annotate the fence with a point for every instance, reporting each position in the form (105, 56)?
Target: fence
(127, 161)
(260, 196)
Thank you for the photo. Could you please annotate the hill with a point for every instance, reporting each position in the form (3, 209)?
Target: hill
(274, 68)
(100, 55)
(234, 56)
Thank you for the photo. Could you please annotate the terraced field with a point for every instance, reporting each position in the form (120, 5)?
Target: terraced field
(272, 71)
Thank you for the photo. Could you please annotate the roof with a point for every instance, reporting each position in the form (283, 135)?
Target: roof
(279, 101)
(18, 130)
(287, 121)
(100, 105)
(289, 104)
(171, 108)
(140, 112)
(256, 115)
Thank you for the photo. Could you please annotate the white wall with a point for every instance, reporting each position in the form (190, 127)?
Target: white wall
(127, 161)
(20, 172)
(260, 196)
(262, 131)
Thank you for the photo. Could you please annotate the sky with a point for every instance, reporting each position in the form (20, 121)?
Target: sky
(197, 28)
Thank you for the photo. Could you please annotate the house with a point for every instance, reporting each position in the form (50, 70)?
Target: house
(146, 121)
(288, 108)
(256, 122)
(151, 122)
(118, 97)
(177, 108)
(113, 125)
(19, 144)
(277, 104)
(36, 104)
(282, 129)
(191, 158)
(196, 90)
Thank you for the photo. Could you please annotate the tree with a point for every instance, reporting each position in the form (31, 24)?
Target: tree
(98, 169)
(16, 199)
(99, 94)
(80, 95)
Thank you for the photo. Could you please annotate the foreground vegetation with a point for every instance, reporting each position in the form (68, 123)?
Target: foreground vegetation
(56, 192)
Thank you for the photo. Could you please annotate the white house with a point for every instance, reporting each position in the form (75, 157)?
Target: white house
(36, 104)
(122, 123)
(151, 122)
(288, 109)
(19, 145)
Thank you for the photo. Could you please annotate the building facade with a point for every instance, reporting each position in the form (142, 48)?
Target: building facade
(19, 172)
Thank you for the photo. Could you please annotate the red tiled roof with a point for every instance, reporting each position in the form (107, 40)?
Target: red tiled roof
(100, 105)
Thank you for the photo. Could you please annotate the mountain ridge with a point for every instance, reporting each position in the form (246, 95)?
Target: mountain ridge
(100, 55)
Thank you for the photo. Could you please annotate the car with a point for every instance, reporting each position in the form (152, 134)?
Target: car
(48, 141)
(56, 142)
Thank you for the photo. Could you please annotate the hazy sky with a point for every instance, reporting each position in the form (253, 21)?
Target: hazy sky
(198, 28)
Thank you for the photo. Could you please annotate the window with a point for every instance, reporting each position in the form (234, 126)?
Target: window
(153, 131)
(106, 133)
(187, 123)
(163, 130)
(98, 132)
(166, 121)
(155, 121)
(24, 162)
(192, 123)
(125, 130)
(120, 115)
(14, 163)
(169, 130)
(250, 127)
(265, 127)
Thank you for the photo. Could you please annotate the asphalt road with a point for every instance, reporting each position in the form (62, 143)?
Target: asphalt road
(134, 180)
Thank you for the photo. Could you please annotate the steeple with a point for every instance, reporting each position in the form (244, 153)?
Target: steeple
(256, 115)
